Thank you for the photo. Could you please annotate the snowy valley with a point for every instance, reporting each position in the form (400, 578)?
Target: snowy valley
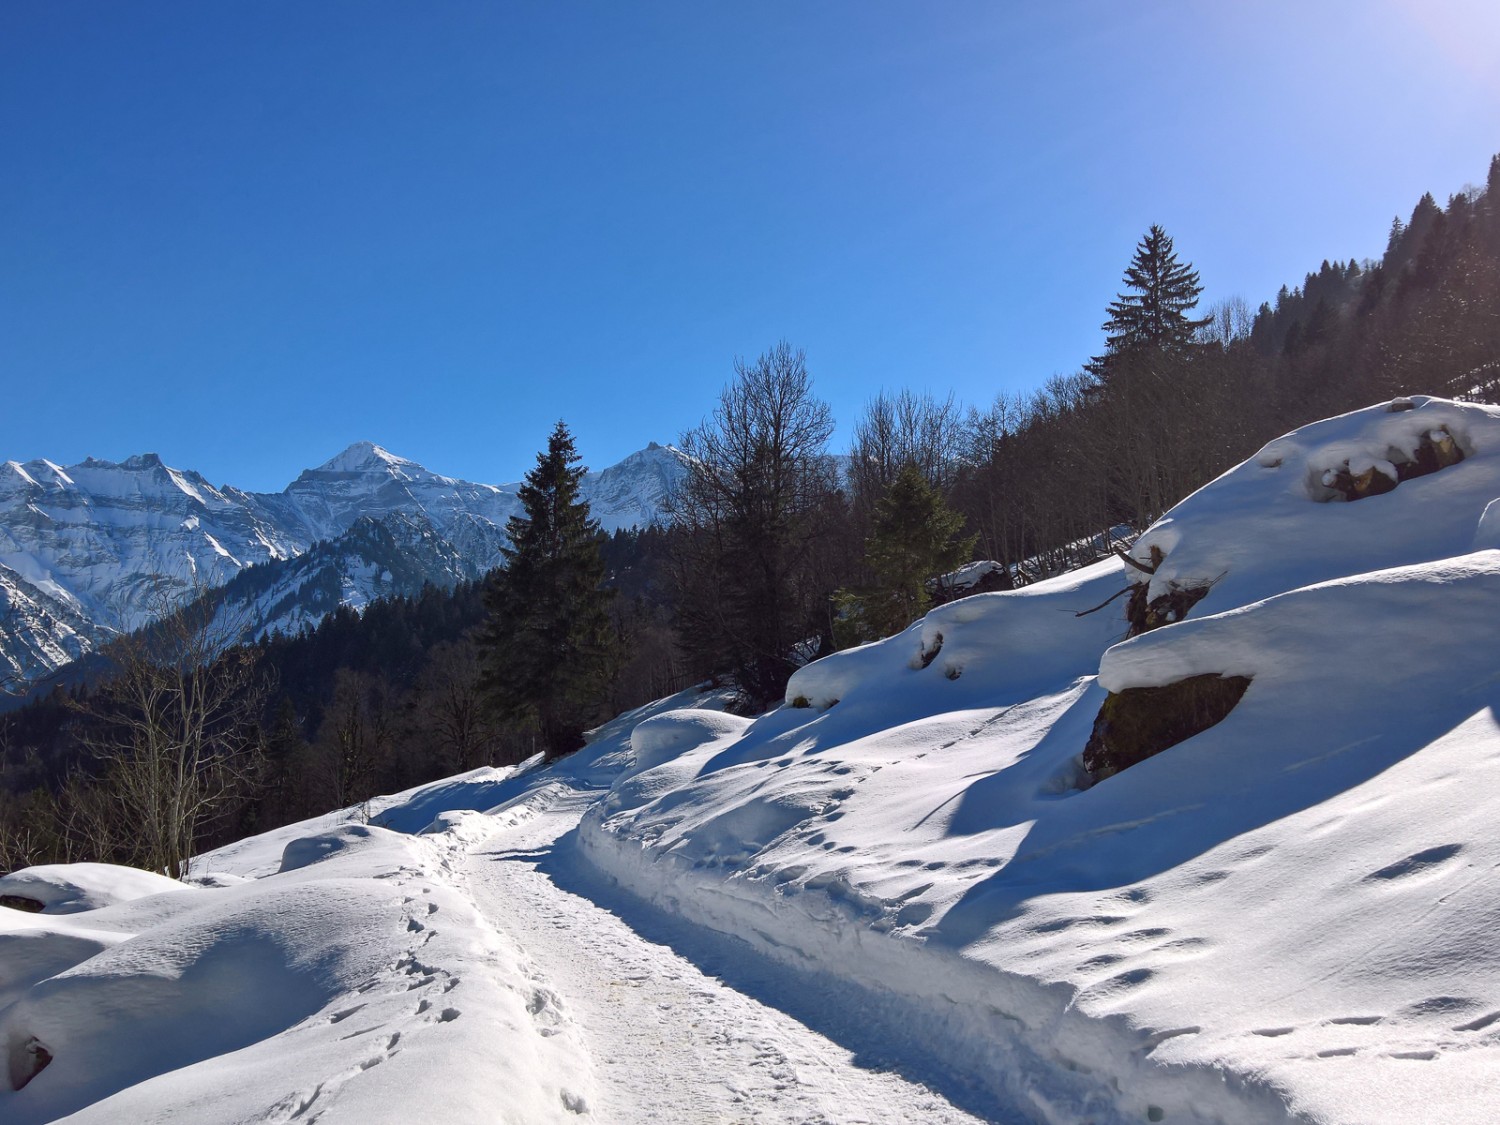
(902, 895)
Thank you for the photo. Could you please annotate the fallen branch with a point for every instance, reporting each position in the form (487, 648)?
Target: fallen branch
(1134, 562)
(1105, 602)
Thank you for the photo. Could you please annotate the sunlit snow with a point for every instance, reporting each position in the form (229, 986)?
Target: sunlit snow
(898, 896)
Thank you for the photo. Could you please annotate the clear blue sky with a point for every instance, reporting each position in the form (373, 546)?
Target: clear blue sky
(244, 235)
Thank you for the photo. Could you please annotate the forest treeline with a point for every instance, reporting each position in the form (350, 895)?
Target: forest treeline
(777, 552)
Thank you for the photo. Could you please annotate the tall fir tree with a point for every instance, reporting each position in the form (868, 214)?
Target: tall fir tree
(545, 648)
(1153, 312)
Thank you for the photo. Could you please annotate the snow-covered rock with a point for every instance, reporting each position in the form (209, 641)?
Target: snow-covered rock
(70, 888)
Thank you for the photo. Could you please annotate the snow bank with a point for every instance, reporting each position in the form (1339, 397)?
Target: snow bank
(67, 888)
(1270, 524)
(357, 984)
(1286, 916)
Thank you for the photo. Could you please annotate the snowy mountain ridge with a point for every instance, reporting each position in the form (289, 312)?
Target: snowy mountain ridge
(93, 548)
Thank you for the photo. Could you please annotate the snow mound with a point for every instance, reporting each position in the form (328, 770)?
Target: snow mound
(1009, 644)
(70, 888)
(357, 984)
(663, 737)
(308, 850)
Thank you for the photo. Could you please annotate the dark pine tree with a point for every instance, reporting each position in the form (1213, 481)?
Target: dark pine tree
(1152, 313)
(545, 646)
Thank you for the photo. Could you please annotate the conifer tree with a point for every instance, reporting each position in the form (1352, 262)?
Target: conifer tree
(1152, 313)
(545, 646)
(916, 537)
(1153, 384)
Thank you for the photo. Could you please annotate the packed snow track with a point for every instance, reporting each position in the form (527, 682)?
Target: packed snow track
(683, 1025)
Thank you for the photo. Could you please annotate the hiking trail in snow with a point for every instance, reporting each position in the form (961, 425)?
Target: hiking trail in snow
(673, 1016)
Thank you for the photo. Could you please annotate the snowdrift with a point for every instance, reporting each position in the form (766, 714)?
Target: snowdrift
(1289, 915)
(351, 981)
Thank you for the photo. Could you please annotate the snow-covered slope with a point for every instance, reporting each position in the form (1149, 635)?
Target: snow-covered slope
(99, 547)
(102, 538)
(1288, 916)
(37, 629)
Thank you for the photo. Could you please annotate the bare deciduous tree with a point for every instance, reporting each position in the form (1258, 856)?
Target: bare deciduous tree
(900, 429)
(355, 737)
(453, 708)
(175, 726)
(752, 508)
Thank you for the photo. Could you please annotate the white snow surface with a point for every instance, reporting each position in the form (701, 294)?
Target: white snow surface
(358, 984)
(900, 899)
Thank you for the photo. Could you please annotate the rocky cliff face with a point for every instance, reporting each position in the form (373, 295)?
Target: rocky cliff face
(101, 546)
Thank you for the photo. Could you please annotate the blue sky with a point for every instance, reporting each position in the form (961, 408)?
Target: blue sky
(245, 235)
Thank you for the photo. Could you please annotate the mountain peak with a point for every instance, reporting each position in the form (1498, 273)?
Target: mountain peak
(363, 456)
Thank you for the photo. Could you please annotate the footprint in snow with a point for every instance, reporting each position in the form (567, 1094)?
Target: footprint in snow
(1096, 921)
(1416, 863)
(1103, 961)
(1480, 1024)
(1447, 1006)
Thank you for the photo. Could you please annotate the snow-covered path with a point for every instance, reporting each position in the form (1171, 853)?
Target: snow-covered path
(670, 1041)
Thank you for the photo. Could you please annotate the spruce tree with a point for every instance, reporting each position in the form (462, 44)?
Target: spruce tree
(916, 537)
(545, 647)
(1152, 313)
(1153, 367)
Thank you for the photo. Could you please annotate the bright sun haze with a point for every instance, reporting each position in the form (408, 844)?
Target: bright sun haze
(244, 236)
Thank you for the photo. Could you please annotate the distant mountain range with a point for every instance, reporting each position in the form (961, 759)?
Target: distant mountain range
(99, 547)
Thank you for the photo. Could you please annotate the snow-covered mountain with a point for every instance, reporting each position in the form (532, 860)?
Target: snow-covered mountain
(377, 557)
(101, 546)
